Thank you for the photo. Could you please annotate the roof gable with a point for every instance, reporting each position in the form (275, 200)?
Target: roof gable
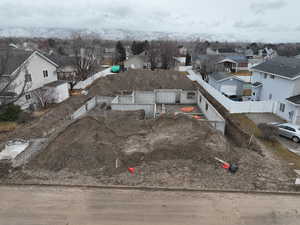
(286, 67)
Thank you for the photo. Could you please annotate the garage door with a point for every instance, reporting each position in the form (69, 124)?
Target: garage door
(229, 89)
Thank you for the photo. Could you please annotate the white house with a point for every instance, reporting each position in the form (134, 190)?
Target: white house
(38, 71)
(278, 79)
(235, 63)
(226, 83)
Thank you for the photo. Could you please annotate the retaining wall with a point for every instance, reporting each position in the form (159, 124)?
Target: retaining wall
(148, 108)
(211, 113)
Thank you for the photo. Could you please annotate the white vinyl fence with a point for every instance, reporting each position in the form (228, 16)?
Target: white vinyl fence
(232, 106)
(84, 84)
(88, 106)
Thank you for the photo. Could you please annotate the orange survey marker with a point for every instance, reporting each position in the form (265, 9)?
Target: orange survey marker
(131, 170)
(187, 109)
(197, 117)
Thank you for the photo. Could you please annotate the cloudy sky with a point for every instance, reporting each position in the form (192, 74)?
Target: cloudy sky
(268, 20)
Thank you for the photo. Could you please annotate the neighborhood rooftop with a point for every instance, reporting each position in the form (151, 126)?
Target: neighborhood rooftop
(294, 99)
(13, 59)
(283, 66)
(220, 75)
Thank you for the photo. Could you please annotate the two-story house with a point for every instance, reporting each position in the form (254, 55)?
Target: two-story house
(32, 71)
(278, 79)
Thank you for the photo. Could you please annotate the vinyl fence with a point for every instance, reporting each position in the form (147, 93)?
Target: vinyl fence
(84, 84)
(88, 106)
(232, 106)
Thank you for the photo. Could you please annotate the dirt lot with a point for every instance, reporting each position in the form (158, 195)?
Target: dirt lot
(170, 151)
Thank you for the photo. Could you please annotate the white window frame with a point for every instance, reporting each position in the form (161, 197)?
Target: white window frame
(45, 73)
(282, 107)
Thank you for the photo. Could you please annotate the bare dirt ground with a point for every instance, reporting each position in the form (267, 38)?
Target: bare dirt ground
(170, 151)
(73, 206)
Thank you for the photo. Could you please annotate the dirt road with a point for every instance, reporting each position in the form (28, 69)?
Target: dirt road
(75, 206)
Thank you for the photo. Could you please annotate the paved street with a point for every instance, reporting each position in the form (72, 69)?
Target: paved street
(74, 206)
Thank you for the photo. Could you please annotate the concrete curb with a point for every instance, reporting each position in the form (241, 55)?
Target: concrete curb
(149, 188)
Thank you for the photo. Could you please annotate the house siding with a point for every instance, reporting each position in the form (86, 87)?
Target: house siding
(279, 88)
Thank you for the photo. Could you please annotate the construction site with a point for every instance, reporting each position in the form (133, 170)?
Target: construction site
(143, 128)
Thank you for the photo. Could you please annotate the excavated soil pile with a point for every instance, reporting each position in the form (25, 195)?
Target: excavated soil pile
(91, 143)
(142, 80)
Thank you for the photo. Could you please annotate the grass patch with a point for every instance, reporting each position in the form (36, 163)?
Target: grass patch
(7, 126)
(273, 145)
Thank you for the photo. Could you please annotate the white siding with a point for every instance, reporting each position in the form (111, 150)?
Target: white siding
(279, 88)
(35, 66)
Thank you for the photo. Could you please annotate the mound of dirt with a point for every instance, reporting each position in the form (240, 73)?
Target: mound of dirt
(142, 80)
(94, 143)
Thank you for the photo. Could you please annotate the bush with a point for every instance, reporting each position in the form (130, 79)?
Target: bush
(10, 113)
(268, 132)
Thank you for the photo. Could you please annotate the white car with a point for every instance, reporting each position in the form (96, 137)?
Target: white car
(289, 130)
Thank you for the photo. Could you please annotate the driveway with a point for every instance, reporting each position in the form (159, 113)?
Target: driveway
(60, 206)
(258, 118)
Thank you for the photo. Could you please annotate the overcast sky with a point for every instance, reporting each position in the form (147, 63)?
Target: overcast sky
(268, 20)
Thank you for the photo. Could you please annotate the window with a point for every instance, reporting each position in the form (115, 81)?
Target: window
(289, 128)
(272, 77)
(270, 96)
(191, 95)
(282, 107)
(28, 96)
(45, 73)
(28, 78)
(265, 75)
(200, 98)
(291, 115)
(206, 106)
(253, 93)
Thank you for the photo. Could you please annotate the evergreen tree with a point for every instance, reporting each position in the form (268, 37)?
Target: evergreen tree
(120, 53)
(188, 59)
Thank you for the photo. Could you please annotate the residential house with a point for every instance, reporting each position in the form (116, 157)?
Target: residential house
(33, 71)
(179, 62)
(198, 61)
(140, 61)
(226, 83)
(278, 79)
(220, 51)
(235, 63)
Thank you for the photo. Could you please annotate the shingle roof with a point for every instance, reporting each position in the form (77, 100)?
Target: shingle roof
(62, 60)
(256, 84)
(294, 99)
(220, 75)
(283, 66)
(11, 59)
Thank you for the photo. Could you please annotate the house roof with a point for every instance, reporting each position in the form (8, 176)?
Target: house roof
(63, 60)
(56, 83)
(212, 58)
(294, 99)
(286, 67)
(256, 84)
(218, 76)
(11, 59)
(235, 58)
(226, 50)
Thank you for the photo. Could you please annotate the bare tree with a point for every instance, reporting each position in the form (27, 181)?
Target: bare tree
(168, 50)
(84, 60)
(12, 86)
(208, 66)
(44, 96)
(153, 54)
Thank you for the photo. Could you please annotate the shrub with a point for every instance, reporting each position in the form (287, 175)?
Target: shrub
(10, 113)
(268, 132)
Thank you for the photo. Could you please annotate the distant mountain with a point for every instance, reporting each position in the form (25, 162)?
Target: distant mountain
(111, 34)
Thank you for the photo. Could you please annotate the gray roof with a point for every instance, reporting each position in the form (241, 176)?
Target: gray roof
(212, 58)
(294, 99)
(11, 59)
(56, 83)
(283, 66)
(238, 58)
(62, 60)
(256, 84)
(220, 75)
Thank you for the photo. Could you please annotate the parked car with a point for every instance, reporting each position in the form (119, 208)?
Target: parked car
(288, 130)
